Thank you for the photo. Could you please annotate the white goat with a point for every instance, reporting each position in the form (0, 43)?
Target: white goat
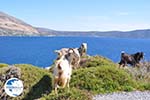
(63, 70)
(78, 52)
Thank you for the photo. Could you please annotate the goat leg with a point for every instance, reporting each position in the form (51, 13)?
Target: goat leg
(64, 82)
(55, 85)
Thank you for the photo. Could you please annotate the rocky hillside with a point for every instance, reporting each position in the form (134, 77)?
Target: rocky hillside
(12, 26)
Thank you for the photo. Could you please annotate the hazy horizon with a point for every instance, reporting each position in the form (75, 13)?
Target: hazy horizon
(81, 15)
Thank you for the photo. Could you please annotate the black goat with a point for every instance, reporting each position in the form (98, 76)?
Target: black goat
(132, 59)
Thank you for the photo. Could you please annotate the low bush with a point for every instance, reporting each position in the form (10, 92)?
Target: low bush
(141, 75)
(94, 61)
(71, 94)
(3, 65)
(102, 79)
(36, 81)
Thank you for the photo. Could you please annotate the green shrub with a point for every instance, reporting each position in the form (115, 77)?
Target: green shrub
(144, 86)
(102, 79)
(36, 81)
(71, 94)
(95, 61)
(3, 65)
(141, 75)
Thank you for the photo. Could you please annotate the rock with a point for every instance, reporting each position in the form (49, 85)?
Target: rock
(11, 72)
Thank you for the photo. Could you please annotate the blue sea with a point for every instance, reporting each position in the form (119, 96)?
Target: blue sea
(39, 51)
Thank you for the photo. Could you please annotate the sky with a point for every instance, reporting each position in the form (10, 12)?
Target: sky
(81, 15)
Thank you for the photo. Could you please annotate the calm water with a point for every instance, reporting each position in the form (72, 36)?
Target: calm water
(39, 51)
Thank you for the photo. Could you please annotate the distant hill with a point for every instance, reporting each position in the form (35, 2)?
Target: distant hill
(46, 32)
(11, 26)
(145, 33)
